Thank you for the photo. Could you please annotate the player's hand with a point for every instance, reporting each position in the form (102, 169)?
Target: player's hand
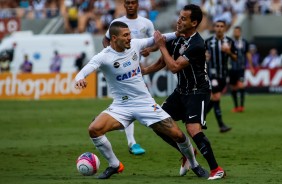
(159, 39)
(81, 84)
(145, 52)
(226, 48)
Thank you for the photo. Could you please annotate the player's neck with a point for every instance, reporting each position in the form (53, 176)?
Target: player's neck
(116, 48)
(219, 37)
(132, 16)
(190, 33)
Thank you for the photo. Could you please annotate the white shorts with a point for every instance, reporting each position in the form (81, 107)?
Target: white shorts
(147, 112)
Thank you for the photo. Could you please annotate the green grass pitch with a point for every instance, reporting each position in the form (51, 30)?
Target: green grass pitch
(41, 140)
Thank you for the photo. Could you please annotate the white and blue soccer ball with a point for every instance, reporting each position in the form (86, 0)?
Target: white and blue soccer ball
(87, 164)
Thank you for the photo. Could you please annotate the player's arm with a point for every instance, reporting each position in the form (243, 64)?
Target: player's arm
(173, 65)
(91, 66)
(231, 51)
(146, 51)
(154, 67)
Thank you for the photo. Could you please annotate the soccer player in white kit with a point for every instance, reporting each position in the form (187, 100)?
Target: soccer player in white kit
(140, 27)
(131, 99)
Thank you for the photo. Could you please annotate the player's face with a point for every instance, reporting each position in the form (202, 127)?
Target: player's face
(184, 23)
(237, 33)
(123, 39)
(219, 29)
(131, 7)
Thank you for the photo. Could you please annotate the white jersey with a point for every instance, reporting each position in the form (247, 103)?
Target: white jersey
(121, 70)
(140, 27)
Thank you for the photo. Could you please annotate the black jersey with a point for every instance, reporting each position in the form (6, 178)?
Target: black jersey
(193, 78)
(218, 64)
(242, 47)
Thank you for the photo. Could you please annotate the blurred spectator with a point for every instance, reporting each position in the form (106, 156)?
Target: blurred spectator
(52, 8)
(145, 7)
(26, 66)
(39, 8)
(275, 7)
(4, 62)
(56, 63)
(71, 20)
(255, 56)
(80, 61)
(273, 60)
(238, 6)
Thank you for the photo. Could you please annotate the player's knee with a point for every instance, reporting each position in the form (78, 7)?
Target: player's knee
(94, 131)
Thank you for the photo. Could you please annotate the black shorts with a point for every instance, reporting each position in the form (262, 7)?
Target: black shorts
(189, 108)
(218, 84)
(235, 76)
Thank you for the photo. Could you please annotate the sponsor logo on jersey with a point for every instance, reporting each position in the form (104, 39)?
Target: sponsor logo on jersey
(155, 106)
(126, 64)
(116, 64)
(129, 74)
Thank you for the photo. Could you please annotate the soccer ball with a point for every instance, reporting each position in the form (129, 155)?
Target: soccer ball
(87, 164)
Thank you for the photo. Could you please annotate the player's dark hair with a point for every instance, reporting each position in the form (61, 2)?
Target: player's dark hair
(238, 27)
(196, 13)
(222, 21)
(115, 28)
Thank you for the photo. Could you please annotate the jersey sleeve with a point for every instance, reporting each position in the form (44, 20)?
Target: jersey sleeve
(94, 63)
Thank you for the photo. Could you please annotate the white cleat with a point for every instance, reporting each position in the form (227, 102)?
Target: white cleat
(185, 166)
(217, 173)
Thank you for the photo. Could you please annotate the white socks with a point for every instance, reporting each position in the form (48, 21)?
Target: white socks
(105, 148)
(186, 149)
(129, 131)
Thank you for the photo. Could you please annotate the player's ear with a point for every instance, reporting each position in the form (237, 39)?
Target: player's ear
(194, 23)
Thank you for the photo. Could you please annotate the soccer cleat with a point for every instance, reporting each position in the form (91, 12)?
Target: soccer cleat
(200, 172)
(236, 109)
(217, 174)
(185, 166)
(110, 171)
(136, 149)
(241, 109)
(224, 128)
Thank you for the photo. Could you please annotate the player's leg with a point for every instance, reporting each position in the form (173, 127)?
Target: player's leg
(169, 128)
(134, 148)
(97, 130)
(241, 88)
(215, 97)
(234, 91)
(195, 120)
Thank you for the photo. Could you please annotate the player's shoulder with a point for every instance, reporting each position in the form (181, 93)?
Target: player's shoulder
(229, 38)
(209, 39)
(144, 19)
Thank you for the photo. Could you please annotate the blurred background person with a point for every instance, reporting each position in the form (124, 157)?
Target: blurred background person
(26, 66)
(237, 70)
(80, 60)
(56, 63)
(272, 60)
(255, 56)
(4, 62)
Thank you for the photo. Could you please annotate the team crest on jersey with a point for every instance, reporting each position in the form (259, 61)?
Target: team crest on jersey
(116, 64)
(134, 57)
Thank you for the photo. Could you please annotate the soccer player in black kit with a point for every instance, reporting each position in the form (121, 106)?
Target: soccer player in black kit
(237, 71)
(185, 56)
(219, 49)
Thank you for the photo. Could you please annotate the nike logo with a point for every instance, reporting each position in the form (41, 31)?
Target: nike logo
(192, 116)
